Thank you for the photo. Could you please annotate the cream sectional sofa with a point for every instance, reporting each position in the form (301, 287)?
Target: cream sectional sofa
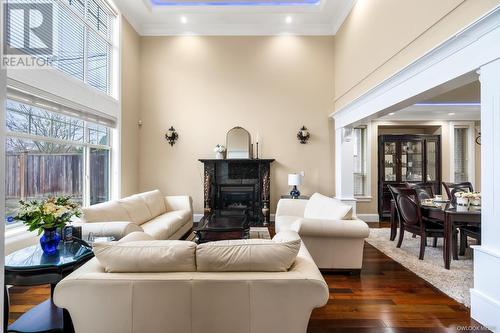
(207, 298)
(161, 217)
(332, 235)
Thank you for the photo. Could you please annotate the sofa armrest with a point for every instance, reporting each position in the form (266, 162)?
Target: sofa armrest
(355, 228)
(291, 207)
(179, 202)
(118, 229)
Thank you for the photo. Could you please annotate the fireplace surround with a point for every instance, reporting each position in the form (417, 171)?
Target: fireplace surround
(238, 186)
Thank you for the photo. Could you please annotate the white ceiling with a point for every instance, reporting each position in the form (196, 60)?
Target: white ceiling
(235, 17)
(437, 111)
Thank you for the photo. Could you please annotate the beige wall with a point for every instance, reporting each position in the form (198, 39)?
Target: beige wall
(203, 86)
(381, 37)
(131, 107)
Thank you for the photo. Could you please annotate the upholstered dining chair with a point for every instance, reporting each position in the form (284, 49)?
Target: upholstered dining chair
(452, 188)
(469, 231)
(412, 220)
(395, 218)
(424, 191)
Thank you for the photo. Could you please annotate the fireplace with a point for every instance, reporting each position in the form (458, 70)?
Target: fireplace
(238, 187)
(237, 197)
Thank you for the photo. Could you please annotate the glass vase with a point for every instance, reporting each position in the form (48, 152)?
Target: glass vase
(50, 240)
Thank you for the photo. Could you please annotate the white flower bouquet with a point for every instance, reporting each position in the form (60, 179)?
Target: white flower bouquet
(219, 149)
(466, 198)
(46, 214)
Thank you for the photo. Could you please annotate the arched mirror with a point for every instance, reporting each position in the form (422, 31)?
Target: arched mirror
(238, 142)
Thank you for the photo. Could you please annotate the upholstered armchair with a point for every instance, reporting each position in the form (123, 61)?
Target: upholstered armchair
(332, 235)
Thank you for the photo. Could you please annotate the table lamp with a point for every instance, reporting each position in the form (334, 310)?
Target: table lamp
(294, 180)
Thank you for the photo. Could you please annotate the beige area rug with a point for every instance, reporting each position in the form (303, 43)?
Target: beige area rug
(255, 233)
(455, 282)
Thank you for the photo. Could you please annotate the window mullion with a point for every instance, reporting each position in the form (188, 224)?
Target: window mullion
(86, 168)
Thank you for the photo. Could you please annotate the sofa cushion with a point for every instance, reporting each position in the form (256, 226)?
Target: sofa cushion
(105, 212)
(323, 207)
(155, 202)
(136, 208)
(285, 222)
(147, 256)
(136, 236)
(247, 255)
(165, 225)
(286, 236)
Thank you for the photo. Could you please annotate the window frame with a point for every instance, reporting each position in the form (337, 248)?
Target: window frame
(366, 158)
(109, 38)
(85, 145)
(471, 149)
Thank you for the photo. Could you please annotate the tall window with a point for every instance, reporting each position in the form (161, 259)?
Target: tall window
(461, 153)
(83, 45)
(359, 167)
(49, 153)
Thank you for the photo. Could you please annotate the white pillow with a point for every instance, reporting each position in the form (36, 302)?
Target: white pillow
(147, 256)
(247, 255)
(326, 208)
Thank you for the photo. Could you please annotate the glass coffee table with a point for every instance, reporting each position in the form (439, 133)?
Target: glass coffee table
(31, 267)
(222, 226)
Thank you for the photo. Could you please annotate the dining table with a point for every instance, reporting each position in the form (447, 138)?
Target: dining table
(452, 216)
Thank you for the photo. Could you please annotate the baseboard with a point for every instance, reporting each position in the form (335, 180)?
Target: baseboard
(485, 310)
(485, 296)
(369, 218)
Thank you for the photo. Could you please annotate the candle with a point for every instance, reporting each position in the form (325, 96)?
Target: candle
(257, 138)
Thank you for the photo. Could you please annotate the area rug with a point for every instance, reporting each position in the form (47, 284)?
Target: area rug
(455, 282)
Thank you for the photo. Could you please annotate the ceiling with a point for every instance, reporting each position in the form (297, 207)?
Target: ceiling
(459, 104)
(235, 17)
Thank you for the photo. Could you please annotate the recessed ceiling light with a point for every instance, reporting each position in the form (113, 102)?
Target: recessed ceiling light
(391, 114)
(184, 19)
(288, 19)
(451, 114)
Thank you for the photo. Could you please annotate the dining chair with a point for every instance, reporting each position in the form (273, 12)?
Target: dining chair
(394, 194)
(412, 220)
(452, 188)
(424, 191)
(469, 231)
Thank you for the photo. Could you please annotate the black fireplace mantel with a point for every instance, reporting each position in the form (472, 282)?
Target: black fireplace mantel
(238, 184)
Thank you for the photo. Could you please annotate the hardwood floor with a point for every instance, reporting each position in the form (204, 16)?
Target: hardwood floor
(384, 298)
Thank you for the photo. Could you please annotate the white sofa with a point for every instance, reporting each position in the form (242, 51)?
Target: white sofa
(193, 301)
(335, 240)
(168, 217)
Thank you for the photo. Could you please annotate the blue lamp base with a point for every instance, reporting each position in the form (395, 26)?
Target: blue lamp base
(295, 193)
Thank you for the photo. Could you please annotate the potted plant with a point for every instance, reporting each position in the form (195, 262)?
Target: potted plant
(219, 152)
(462, 198)
(48, 216)
(475, 199)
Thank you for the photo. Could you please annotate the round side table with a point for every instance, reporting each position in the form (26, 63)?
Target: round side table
(31, 267)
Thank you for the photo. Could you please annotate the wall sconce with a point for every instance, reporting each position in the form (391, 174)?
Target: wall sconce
(171, 135)
(303, 135)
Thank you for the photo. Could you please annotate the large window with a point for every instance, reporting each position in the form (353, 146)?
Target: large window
(359, 166)
(49, 153)
(83, 44)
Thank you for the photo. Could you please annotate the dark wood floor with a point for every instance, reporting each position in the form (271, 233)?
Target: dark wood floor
(385, 298)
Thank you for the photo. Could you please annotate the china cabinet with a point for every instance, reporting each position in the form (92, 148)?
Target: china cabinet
(407, 158)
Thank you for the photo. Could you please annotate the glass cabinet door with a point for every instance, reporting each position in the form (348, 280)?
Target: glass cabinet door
(412, 161)
(390, 161)
(431, 161)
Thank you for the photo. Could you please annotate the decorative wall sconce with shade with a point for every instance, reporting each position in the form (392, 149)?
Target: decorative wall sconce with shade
(171, 136)
(294, 179)
(303, 135)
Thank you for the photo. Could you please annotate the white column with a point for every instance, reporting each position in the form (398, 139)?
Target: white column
(344, 159)
(485, 296)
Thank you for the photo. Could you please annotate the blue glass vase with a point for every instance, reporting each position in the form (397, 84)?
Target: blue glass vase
(50, 240)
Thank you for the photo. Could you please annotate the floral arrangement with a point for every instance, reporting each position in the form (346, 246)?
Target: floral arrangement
(46, 214)
(219, 149)
(468, 195)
